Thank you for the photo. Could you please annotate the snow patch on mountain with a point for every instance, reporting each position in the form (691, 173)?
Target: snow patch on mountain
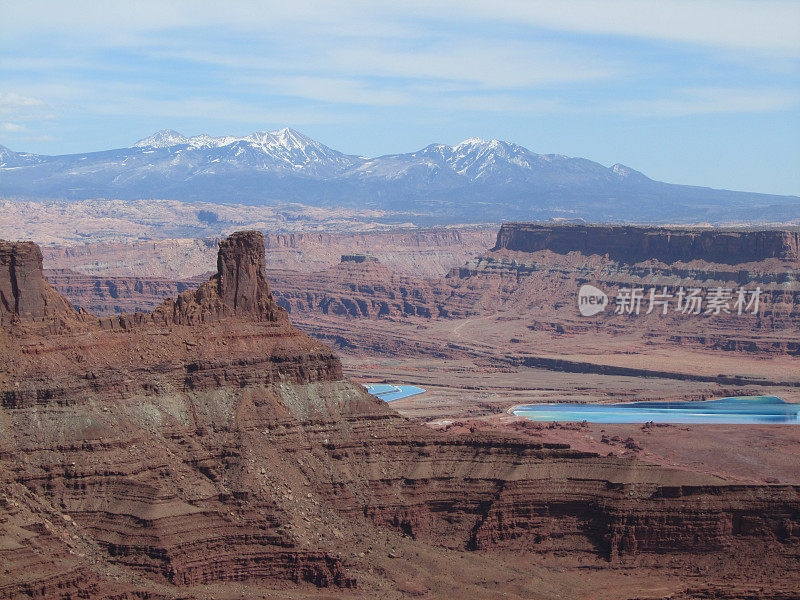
(623, 171)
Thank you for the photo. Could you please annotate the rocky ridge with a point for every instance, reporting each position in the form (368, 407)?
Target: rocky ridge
(360, 286)
(430, 252)
(631, 244)
(106, 296)
(534, 272)
(210, 442)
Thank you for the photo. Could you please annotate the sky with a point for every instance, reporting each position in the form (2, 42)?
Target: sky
(702, 92)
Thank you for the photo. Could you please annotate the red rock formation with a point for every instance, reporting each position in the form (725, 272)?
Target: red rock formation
(25, 296)
(106, 296)
(541, 286)
(238, 289)
(633, 244)
(535, 271)
(358, 287)
(242, 278)
(210, 442)
(21, 289)
(426, 252)
(109, 477)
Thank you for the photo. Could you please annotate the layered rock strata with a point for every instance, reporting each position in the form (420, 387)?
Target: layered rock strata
(360, 286)
(106, 296)
(430, 252)
(535, 271)
(631, 244)
(210, 442)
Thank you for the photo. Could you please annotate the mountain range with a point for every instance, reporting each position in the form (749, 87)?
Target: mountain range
(474, 181)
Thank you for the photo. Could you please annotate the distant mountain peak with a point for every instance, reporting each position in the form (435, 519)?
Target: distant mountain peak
(473, 141)
(475, 179)
(286, 139)
(163, 138)
(5, 154)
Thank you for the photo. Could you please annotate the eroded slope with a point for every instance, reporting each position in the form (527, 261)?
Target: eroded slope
(210, 442)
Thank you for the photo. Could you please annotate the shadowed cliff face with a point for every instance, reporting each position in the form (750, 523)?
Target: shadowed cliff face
(211, 442)
(25, 296)
(22, 288)
(241, 269)
(634, 244)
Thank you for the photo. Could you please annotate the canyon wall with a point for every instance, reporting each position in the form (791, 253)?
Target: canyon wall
(209, 442)
(418, 252)
(22, 289)
(541, 285)
(631, 244)
(538, 283)
(360, 286)
(110, 295)
(536, 271)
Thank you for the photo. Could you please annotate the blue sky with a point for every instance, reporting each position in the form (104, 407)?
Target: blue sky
(697, 92)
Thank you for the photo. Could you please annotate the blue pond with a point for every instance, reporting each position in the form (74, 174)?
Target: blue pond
(739, 409)
(390, 393)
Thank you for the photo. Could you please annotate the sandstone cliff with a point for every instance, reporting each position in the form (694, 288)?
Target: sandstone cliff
(534, 272)
(110, 295)
(360, 286)
(210, 443)
(631, 244)
(24, 293)
(429, 252)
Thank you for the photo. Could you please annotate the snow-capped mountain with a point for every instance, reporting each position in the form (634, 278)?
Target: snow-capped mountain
(165, 138)
(283, 151)
(475, 180)
(9, 159)
(482, 161)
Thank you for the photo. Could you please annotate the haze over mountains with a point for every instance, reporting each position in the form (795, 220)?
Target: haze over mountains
(474, 181)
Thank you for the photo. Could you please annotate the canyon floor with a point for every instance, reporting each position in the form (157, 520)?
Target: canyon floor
(477, 392)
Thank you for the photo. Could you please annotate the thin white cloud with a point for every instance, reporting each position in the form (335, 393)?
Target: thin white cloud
(755, 25)
(504, 103)
(712, 100)
(485, 63)
(333, 89)
(9, 101)
(209, 109)
(446, 64)
(121, 21)
(17, 108)
(12, 127)
(448, 55)
(769, 26)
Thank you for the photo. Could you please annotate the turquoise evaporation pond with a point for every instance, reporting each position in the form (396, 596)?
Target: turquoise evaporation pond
(738, 409)
(390, 393)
